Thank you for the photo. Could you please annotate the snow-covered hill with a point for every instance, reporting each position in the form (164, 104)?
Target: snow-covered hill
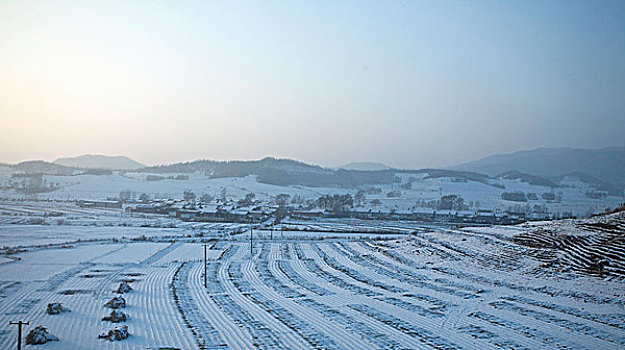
(364, 166)
(607, 164)
(92, 161)
(408, 192)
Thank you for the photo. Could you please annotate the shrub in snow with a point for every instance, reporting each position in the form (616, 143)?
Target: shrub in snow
(56, 308)
(124, 287)
(39, 335)
(600, 265)
(116, 303)
(514, 196)
(117, 333)
(116, 316)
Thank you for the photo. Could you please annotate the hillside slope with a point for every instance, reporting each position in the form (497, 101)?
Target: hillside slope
(607, 164)
(100, 162)
(591, 246)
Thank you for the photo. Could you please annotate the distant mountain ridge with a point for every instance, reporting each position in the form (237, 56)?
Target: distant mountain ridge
(364, 166)
(40, 166)
(282, 172)
(603, 170)
(92, 161)
(606, 164)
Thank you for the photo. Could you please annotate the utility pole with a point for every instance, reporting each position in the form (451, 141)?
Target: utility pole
(205, 273)
(19, 332)
(251, 242)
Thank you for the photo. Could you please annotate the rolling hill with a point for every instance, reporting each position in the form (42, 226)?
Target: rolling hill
(91, 161)
(364, 166)
(606, 164)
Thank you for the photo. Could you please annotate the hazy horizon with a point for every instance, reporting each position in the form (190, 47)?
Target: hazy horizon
(356, 161)
(410, 85)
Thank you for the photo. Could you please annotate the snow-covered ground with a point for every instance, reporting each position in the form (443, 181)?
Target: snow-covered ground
(411, 189)
(337, 284)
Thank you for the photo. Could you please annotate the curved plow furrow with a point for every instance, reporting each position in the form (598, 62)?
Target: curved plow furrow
(209, 303)
(571, 311)
(600, 338)
(335, 306)
(403, 274)
(428, 338)
(500, 327)
(501, 279)
(287, 270)
(322, 331)
(418, 313)
(237, 327)
(433, 289)
(321, 270)
(205, 335)
(267, 331)
(154, 319)
(348, 272)
(381, 339)
(593, 247)
(262, 267)
(606, 329)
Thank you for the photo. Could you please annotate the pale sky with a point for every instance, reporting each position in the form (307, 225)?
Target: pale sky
(411, 84)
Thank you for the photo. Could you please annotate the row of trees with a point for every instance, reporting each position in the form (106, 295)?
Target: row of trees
(31, 184)
(337, 202)
(189, 196)
(524, 197)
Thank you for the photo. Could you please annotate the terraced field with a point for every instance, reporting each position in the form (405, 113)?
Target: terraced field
(437, 289)
(593, 247)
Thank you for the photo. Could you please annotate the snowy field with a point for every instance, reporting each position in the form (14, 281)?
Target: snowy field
(334, 285)
(419, 188)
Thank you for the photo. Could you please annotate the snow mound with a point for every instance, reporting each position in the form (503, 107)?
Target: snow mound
(116, 303)
(117, 333)
(39, 335)
(124, 287)
(56, 308)
(116, 316)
